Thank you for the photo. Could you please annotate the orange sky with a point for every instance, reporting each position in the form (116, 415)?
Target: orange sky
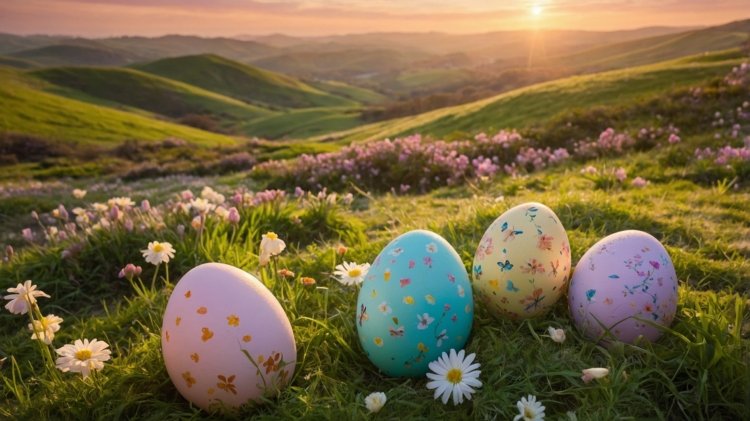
(97, 18)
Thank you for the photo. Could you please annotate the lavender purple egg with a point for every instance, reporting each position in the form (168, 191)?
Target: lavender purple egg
(624, 287)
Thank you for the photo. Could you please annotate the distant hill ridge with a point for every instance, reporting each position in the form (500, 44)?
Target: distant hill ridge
(243, 82)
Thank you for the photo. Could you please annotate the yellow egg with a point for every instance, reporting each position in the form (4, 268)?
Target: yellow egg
(522, 264)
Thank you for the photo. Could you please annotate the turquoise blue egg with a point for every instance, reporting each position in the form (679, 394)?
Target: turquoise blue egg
(415, 303)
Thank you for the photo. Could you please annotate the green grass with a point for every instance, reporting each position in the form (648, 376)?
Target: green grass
(302, 123)
(660, 48)
(698, 370)
(27, 108)
(148, 92)
(80, 55)
(355, 93)
(244, 82)
(430, 80)
(17, 63)
(527, 107)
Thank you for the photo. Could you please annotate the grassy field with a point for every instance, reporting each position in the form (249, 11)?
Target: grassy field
(529, 106)
(244, 82)
(28, 109)
(660, 48)
(699, 369)
(148, 92)
(302, 123)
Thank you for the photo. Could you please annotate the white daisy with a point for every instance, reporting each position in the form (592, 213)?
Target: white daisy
(454, 375)
(82, 356)
(21, 296)
(157, 252)
(593, 373)
(271, 245)
(375, 401)
(350, 273)
(530, 409)
(424, 321)
(45, 329)
(557, 335)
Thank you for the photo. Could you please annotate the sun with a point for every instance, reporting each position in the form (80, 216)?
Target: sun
(536, 10)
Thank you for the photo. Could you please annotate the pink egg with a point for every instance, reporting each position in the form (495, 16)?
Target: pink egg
(625, 284)
(225, 338)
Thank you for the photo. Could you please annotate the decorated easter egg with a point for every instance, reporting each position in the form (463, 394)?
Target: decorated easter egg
(226, 340)
(622, 288)
(415, 303)
(522, 264)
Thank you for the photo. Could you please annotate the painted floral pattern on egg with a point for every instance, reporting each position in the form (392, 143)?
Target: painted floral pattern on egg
(522, 263)
(422, 305)
(225, 338)
(625, 283)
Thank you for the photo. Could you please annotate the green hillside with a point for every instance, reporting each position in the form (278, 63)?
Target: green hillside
(355, 93)
(149, 92)
(26, 108)
(531, 105)
(17, 63)
(243, 82)
(660, 48)
(303, 123)
(79, 55)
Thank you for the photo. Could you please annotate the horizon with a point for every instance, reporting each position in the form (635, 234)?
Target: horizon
(318, 18)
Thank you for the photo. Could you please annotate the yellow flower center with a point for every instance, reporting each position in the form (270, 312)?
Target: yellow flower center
(353, 273)
(454, 375)
(83, 355)
(528, 413)
(271, 235)
(158, 248)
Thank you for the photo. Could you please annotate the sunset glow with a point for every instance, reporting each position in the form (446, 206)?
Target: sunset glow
(319, 17)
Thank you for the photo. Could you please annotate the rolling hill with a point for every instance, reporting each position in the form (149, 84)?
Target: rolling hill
(243, 82)
(17, 63)
(539, 103)
(80, 55)
(28, 109)
(659, 48)
(148, 92)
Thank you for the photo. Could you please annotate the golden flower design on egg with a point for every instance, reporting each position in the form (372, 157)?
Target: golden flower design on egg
(195, 357)
(233, 320)
(202, 310)
(227, 384)
(189, 379)
(206, 334)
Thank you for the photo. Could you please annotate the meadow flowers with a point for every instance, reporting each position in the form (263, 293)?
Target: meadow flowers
(557, 335)
(530, 409)
(22, 296)
(83, 356)
(593, 373)
(350, 273)
(45, 329)
(639, 182)
(454, 375)
(79, 194)
(129, 271)
(158, 253)
(271, 245)
(375, 401)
